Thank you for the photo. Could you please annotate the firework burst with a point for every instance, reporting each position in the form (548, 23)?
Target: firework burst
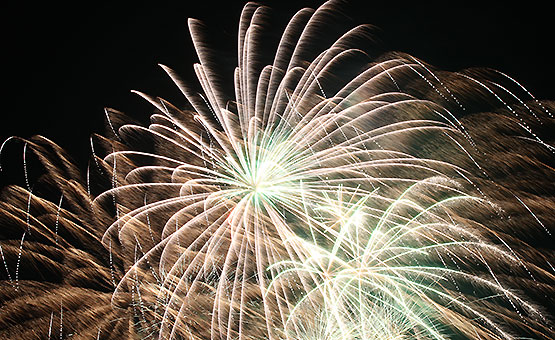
(330, 196)
(410, 271)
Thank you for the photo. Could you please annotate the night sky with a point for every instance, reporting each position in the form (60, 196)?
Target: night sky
(67, 61)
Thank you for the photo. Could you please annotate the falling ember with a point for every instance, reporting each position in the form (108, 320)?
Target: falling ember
(332, 195)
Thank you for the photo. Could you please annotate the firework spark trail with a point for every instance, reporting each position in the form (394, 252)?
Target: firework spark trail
(330, 196)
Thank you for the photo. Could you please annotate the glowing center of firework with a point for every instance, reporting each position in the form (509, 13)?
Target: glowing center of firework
(262, 171)
(264, 178)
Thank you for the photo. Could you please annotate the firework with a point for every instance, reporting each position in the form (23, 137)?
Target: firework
(410, 271)
(57, 278)
(329, 196)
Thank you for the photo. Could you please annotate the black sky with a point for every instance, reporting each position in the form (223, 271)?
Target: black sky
(67, 61)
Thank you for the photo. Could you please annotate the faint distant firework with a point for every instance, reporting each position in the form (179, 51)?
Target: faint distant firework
(330, 195)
